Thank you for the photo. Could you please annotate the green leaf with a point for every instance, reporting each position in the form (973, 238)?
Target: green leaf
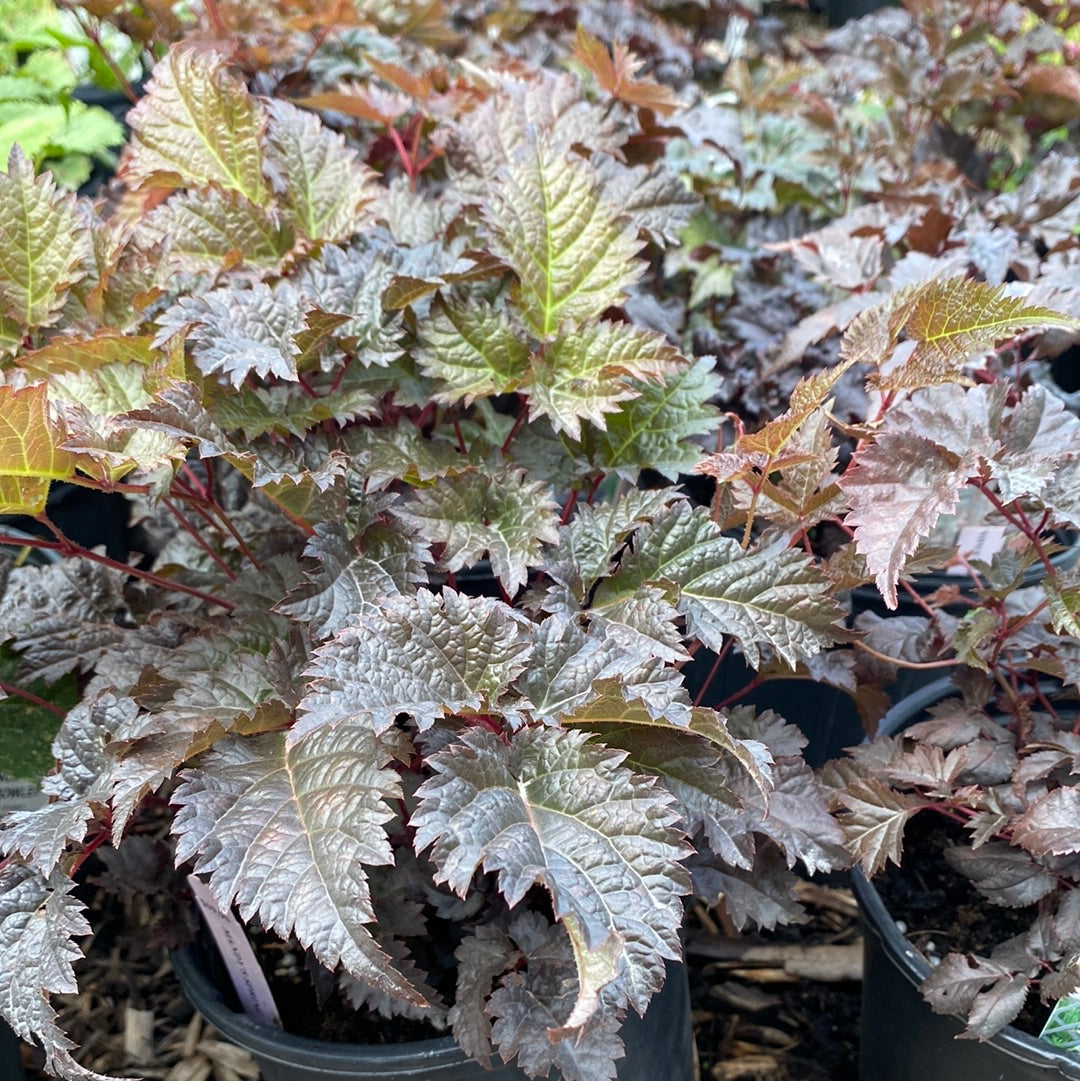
(943, 324)
(474, 513)
(589, 542)
(43, 242)
(316, 809)
(573, 254)
(427, 655)
(197, 126)
(656, 430)
(30, 454)
(585, 372)
(550, 809)
(472, 351)
(204, 230)
(323, 183)
(769, 596)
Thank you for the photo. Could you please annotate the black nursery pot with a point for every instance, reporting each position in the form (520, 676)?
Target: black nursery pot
(825, 715)
(85, 515)
(11, 1067)
(659, 1047)
(902, 1039)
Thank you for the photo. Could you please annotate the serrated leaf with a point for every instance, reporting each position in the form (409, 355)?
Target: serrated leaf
(944, 323)
(61, 618)
(573, 254)
(202, 231)
(762, 894)
(324, 185)
(196, 126)
(1002, 872)
(617, 74)
(550, 810)
(1048, 826)
(584, 372)
(405, 453)
(39, 922)
(43, 242)
(1063, 594)
(315, 810)
(426, 655)
(240, 332)
(473, 351)
(772, 596)
(501, 514)
(656, 430)
(30, 449)
(898, 488)
(589, 542)
(80, 787)
(656, 200)
(483, 955)
(956, 982)
(353, 574)
(875, 815)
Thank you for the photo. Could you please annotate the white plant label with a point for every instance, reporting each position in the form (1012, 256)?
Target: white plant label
(978, 542)
(16, 795)
(1062, 1028)
(247, 977)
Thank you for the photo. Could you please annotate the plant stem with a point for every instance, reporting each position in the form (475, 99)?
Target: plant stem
(949, 663)
(29, 696)
(70, 548)
(724, 650)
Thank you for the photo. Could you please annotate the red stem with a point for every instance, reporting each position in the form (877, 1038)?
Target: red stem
(29, 696)
(69, 548)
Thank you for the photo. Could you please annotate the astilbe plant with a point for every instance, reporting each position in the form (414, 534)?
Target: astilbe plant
(999, 759)
(347, 394)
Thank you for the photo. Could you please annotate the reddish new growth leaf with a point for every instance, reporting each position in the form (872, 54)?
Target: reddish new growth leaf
(617, 74)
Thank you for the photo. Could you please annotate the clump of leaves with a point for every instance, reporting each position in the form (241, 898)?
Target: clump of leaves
(351, 393)
(37, 107)
(997, 760)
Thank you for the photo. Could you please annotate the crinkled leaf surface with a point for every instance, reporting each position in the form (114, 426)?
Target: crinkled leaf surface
(427, 655)
(656, 429)
(39, 921)
(323, 183)
(573, 254)
(285, 831)
(473, 351)
(61, 617)
(501, 514)
(584, 372)
(205, 230)
(549, 809)
(43, 241)
(771, 596)
(353, 574)
(900, 487)
(945, 322)
(197, 126)
(241, 332)
(30, 454)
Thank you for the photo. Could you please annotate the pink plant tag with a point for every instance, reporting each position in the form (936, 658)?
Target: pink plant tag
(247, 977)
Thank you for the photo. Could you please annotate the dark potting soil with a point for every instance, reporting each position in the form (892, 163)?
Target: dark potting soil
(941, 912)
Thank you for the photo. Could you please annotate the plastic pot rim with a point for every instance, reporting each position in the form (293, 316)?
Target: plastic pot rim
(286, 1049)
(1010, 1041)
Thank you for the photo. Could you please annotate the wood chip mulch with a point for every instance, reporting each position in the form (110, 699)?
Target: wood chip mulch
(782, 1006)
